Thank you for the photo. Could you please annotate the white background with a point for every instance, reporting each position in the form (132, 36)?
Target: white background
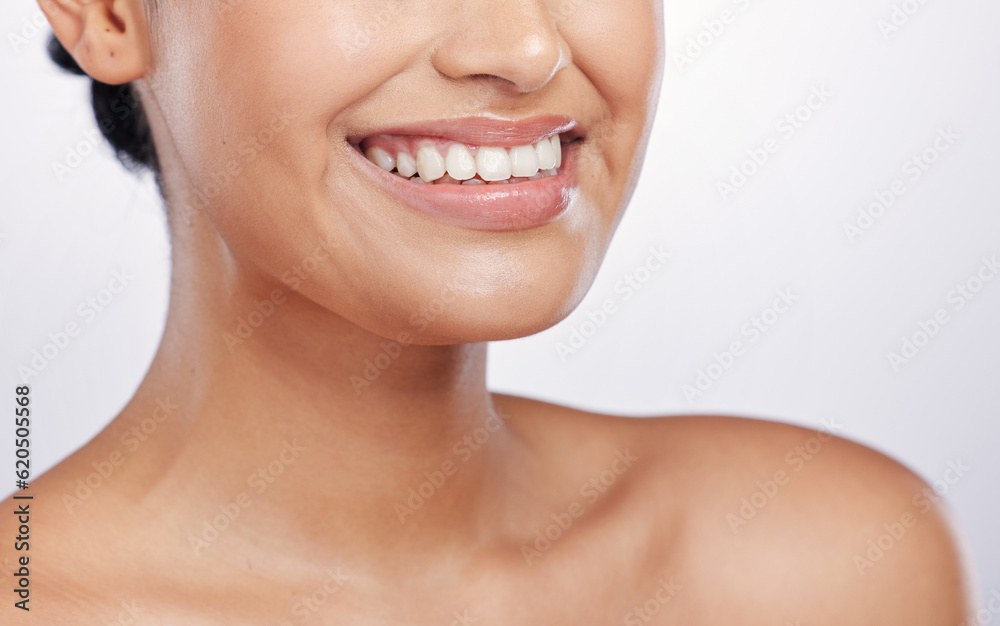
(61, 239)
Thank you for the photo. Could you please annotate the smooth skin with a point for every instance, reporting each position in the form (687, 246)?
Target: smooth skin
(319, 470)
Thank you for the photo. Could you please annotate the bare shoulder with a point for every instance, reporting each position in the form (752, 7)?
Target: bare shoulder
(43, 590)
(803, 524)
(69, 532)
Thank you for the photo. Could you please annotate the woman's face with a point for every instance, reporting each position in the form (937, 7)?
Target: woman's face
(270, 108)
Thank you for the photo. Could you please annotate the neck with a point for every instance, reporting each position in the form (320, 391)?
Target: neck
(324, 426)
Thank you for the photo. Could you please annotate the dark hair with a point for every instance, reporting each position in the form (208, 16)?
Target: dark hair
(119, 114)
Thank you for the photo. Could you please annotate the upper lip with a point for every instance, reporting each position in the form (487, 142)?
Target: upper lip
(482, 131)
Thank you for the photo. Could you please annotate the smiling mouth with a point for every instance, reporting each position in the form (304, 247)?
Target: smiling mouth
(480, 173)
(438, 161)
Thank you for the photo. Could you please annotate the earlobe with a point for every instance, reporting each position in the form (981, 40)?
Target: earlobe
(109, 39)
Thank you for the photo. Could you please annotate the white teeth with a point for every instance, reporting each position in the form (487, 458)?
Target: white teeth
(493, 164)
(405, 165)
(460, 163)
(381, 158)
(523, 161)
(546, 155)
(430, 163)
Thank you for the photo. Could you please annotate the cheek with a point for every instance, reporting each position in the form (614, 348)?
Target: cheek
(618, 45)
(249, 96)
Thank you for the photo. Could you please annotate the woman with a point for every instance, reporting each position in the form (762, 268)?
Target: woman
(360, 196)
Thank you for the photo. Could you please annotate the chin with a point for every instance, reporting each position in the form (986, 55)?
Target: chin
(480, 322)
(498, 306)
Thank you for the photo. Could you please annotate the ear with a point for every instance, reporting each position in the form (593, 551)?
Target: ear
(109, 39)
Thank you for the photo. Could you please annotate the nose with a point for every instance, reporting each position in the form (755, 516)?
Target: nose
(513, 40)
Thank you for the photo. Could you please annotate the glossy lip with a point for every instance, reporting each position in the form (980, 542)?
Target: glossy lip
(510, 207)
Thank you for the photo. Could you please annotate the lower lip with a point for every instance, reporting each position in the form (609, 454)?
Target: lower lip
(516, 206)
